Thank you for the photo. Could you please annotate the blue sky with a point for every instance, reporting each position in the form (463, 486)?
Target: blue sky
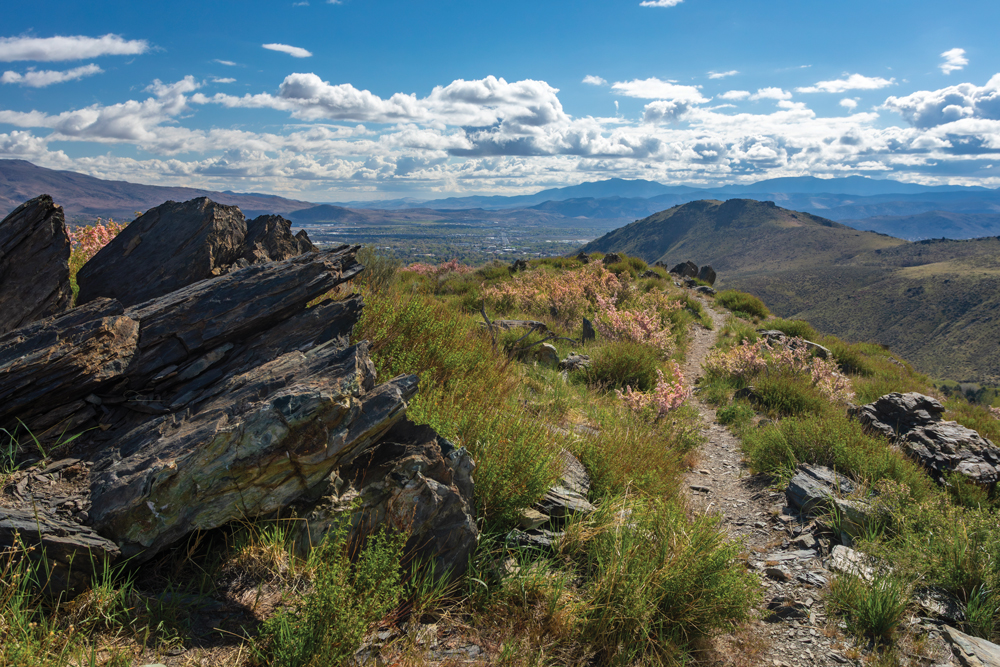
(365, 99)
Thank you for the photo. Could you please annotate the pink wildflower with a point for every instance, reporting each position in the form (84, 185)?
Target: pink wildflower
(666, 396)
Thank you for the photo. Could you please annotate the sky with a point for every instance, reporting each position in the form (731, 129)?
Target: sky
(339, 100)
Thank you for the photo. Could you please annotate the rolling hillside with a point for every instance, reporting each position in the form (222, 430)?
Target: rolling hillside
(937, 302)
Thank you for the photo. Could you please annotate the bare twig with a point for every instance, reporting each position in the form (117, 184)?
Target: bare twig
(489, 325)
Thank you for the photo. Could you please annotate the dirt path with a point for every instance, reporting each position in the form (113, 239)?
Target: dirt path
(779, 546)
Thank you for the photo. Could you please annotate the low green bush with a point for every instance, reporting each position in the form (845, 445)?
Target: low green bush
(786, 394)
(742, 303)
(872, 609)
(795, 328)
(620, 364)
(738, 415)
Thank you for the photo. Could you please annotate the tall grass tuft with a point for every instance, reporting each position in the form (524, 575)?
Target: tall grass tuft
(742, 304)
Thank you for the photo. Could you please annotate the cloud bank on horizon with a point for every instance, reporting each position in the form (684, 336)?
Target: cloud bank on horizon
(318, 129)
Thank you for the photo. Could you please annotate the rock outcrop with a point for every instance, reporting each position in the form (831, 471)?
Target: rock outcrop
(972, 651)
(707, 274)
(818, 490)
(34, 263)
(914, 421)
(177, 244)
(686, 270)
(541, 526)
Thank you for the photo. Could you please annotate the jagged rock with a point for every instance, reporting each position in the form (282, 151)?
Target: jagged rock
(848, 561)
(530, 519)
(519, 265)
(780, 338)
(413, 479)
(588, 330)
(972, 651)
(686, 270)
(583, 258)
(706, 274)
(34, 263)
(914, 421)
(73, 553)
(939, 603)
(569, 496)
(786, 609)
(177, 244)
(812, 579)
(691, 283)
(574, 362)
(650, 274)
(702, 289)
(817, 490)
(538, 538)
(547, 354)
(611, 258)
(572, 474)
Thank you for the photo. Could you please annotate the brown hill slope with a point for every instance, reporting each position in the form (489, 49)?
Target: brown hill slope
(85, 197)
(937, 303)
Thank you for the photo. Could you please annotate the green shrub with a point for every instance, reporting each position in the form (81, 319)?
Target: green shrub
(742, 303)
(785, 394)
(331, 620)
(618, 364)
(738, 415)
(658, 580)
(795, 328)
(735, 331)
(380, 268)
(873, 609)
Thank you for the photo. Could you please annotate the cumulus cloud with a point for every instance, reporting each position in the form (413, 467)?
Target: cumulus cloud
(594, 80)
(848, 103)
(771, 94)
(224, 80)
(954, 60)
(656, 89)
(735, 95)
(227, 63)
(929, 108)
(293, 51)
(660, 3)
(42, 78)
(50, 49)
(722, 75)
(852, 82)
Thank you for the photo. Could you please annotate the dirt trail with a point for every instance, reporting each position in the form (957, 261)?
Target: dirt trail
(776, 542)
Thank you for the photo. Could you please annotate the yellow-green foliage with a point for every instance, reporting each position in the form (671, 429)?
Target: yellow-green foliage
(742, 304)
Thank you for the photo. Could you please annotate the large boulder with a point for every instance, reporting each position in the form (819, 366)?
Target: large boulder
(686, 270)
(818, 490)
(914, 421)
(707, 274)
(412, 479)
(177, 244)
(34, 263)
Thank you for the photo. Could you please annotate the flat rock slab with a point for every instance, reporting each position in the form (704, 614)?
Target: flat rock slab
(972, 651)
(34, 264)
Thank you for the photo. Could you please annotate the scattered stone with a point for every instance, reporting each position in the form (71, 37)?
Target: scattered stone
(700, 489)
(914, 421)
(686, 270)
(777, 573)
(805, 541)
(649, 274)
(547, 354)
(812, 488)
(34, 264)
(938, 603)
(531, 519)
(583, 258)
(574, 362)
(539, 538)
(798, 554)
(972, 651)
(706, 274)
(812, 579)
(611, 258)
(702, 289)
(786, 609)
(848, 561)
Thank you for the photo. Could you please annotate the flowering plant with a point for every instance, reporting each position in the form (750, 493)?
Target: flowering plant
(452, 266)
(995, 412)
(640, 326)
(86, 241)
(566, 294)
(666, 396)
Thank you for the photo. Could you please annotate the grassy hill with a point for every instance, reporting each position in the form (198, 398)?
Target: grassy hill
(935, 302)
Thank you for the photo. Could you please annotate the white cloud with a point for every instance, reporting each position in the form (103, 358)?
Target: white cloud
(660, 3)
(304, 3)
(954, 60)
(227, 63)
(771, 94)
(293, 51)
(735, 95)
(594, 80)
(42, 78)
(853, 82)
(49, 49)
(928, 108)
(722, 75)
(848, 103)
(224, 80)
(656, 89)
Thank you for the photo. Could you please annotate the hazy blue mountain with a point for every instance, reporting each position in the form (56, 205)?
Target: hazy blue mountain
(932, 225)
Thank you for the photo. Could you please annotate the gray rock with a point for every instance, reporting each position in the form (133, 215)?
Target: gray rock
(530, 519)
(583, 257)
(649, 274)
(812, 579)
(34, 264)
(413, 479)
(574, 362)
(786, 609)
(972, 651)
(547, 354)
(914, 422)
(175, 245)
(538, 538)
(812, 488)
(706, 274)
(686, 270)
(777, 573)
(702, 289)
(588, 330)
(611, 258)
(848, 561)
(939, 603)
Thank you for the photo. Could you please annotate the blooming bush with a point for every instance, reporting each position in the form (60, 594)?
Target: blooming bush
(564, 294)
(641, 326)
(747, 360)
(995, 412)
(86, 241)
(665, 397)
(452, 266)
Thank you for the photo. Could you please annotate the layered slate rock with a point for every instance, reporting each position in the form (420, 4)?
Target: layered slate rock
(972, 651)
(818, 490)
(413, 479)
(566, 498)
(34, 263)
(227, 399)
(707, 274)
(177, 244)
(687, 269)
(914, 421)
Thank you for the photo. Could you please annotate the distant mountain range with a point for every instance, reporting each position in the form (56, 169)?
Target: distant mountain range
(936, 302)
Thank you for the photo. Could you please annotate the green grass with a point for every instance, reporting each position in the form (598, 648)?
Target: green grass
(617, 364)
(742, 304)
(872, 609)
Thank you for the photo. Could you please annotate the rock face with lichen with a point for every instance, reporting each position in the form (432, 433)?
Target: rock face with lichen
(942, 447)
(34, 263)
(222, 399)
